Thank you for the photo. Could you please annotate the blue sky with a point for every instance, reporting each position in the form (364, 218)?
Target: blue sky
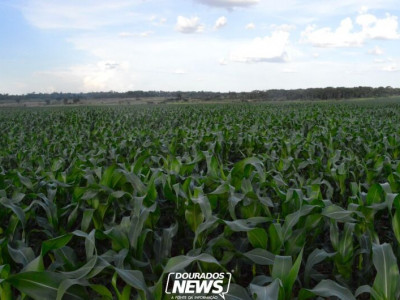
(216, 45)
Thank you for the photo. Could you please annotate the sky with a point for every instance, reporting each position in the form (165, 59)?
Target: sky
(197, 45)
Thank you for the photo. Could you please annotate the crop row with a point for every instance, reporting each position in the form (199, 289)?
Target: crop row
(295, 200)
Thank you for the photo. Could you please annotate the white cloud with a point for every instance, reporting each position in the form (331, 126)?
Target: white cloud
(289, 70)
(250, 26)
(283, 27)
(221, 22)
(325, 37)
(116, 55)
(170, 63)
(363, 10)
(99, 76)
(125, 34)
(109, 65)
(223, 62)
(229, 4)
(346, 36)
(188, 25)
(272, 48)
(133, 34)
(146, 33)
(374, 28)
(319, 9)
(376, 51)
(391, 68)
(157, 21)
(179, 71)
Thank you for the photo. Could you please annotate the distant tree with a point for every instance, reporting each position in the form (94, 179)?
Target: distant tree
(76, 100)
(65, 101)
(47, 101)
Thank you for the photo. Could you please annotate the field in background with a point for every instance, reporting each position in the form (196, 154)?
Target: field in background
(171, 99)
(295, 199)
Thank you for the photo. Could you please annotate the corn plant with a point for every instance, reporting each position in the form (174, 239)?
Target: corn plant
(295, 200)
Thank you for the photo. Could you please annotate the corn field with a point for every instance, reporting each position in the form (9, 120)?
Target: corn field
(295, 200)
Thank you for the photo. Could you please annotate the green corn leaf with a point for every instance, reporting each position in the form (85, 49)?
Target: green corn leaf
(126, 293)
(82, 271)
(270, 292)
(337, 213)
(209, 223)
(396, 225)
(21, 254)
(245, 224)
(387, 280)
(292, 276)
(292, 219)
(178, 263)
(135, 279)
(35, 265)
(275, 237)
(375, 194)
(87, 219)
(258, 238)
(315, 257)
(102, 291)
(66, 284)
(25, 181)
(260, 257)
(194, 217)
(237, 292)
(15, 208)
(204, 204)
(55, 243)
(44, 285)
(281, 267)
(327, 288)
(4, 272)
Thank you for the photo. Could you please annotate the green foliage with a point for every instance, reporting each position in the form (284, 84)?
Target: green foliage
(295, 200)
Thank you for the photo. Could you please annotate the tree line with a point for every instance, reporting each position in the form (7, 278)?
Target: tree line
(327, 93)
